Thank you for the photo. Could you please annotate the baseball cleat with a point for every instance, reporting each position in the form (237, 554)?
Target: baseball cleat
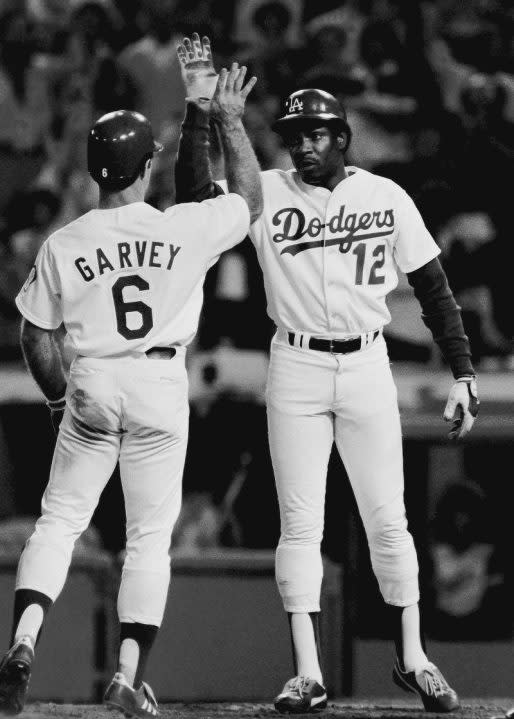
(509, 714)
(435, 692)
(301, 695)
(134, 703)
(15, 671)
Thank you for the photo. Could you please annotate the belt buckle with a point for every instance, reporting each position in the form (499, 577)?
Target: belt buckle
(331, 346)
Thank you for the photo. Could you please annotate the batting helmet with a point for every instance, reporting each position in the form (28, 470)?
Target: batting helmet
(117, 146)
(304, 106)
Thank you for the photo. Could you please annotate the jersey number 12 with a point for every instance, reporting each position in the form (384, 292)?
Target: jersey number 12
(123, 308)
(379, 254)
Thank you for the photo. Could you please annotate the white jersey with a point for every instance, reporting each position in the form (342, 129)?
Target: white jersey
(329, 259)
(127, 279)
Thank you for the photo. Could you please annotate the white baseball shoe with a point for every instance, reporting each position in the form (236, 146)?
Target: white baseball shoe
(133, 702)
(301, 695)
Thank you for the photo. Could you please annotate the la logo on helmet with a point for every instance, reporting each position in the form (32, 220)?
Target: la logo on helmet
(296, 105)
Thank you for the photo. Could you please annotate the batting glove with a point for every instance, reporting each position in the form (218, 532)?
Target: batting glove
(56, 407)
(463, 398)
(197, 69)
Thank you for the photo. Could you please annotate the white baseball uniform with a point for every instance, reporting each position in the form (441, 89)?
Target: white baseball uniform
(329, 260)
(123, 281)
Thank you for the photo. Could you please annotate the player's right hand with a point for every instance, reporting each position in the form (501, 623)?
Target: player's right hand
(197, 70)
(56, 408)
(56, 416)
(228, 102)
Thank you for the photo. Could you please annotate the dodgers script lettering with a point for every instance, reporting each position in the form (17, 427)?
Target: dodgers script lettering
(294, 226)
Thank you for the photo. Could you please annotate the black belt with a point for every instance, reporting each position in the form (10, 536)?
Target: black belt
(334, 346)
(161, 353)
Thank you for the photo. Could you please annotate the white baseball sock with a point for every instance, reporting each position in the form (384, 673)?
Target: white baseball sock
(305, 648)
(30, 623)
(129, 659)
(414, 657)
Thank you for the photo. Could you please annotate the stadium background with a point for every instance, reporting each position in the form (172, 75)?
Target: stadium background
(429, 89)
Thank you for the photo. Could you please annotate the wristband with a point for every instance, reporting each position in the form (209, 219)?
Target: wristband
(56, 403)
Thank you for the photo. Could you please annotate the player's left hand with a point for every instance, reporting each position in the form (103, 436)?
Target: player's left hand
(228, 102)
(197, 70)
(56, 408)
(463, 399)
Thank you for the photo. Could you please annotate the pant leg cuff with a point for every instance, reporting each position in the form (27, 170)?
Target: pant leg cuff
(140, 619)
(292, 609)
(400, 602)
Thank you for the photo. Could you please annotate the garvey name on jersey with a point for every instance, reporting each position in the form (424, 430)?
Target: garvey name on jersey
(126, 255)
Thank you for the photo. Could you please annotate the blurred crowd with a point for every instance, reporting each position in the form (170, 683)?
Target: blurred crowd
(428, 85)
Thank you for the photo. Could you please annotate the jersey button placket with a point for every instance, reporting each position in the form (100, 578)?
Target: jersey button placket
(329, 279)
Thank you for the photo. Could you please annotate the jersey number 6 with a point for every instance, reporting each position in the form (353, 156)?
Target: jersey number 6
(123, 308)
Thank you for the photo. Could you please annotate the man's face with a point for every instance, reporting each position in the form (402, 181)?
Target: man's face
(314, 151)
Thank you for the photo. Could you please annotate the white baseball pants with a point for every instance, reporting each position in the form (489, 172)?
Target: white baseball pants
(313, 399)
(134, 410)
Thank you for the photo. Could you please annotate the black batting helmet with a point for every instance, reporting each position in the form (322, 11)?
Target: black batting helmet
(306, 106)
(117, 146)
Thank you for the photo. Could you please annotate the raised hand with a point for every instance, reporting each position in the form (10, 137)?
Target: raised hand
(229, 99)
(197, 69)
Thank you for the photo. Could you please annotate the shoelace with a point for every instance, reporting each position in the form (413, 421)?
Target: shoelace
(297, 684)
(149, 693)
(150, 702)
(26, 641)
(435, 683)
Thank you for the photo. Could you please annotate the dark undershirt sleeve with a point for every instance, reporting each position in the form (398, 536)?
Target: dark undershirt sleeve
(442, 316)
(193, 176)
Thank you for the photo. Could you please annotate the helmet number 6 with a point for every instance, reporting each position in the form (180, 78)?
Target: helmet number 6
(124, 308)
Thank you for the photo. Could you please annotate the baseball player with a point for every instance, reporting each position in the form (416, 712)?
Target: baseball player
(329, 242)
(126, 281)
